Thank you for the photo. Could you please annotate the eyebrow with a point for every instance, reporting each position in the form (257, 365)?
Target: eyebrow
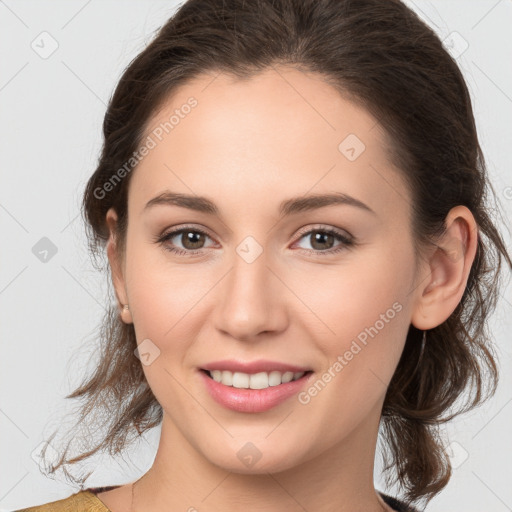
(286, 208)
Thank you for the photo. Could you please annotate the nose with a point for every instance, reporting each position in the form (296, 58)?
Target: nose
(252, 300)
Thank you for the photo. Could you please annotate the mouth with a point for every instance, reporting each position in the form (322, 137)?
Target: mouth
(253, 392)
(260, 380)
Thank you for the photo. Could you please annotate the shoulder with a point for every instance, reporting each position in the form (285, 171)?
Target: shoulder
(82, 501)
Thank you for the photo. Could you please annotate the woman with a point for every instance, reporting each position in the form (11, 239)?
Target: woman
(291, 195)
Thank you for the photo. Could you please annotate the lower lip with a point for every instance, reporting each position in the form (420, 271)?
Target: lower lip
(252, 400)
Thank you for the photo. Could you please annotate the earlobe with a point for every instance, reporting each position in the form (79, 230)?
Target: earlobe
(448, 270)
(116, 268)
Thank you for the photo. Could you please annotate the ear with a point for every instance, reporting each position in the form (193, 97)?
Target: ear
(116, 267)
(448, 270)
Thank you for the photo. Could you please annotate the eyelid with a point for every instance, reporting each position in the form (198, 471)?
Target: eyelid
(324, 227)
(177, 229)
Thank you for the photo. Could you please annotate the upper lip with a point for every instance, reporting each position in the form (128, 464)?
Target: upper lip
(261, 365)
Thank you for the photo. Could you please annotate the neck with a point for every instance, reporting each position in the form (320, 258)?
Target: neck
(338, 479)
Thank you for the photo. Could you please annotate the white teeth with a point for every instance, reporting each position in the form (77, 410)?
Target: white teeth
(274, 378)
(260, 380)
(240, 380)
(227, 378)
(287, 377)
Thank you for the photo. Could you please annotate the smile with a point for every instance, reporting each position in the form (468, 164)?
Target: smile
(259, 391)
(261, 380)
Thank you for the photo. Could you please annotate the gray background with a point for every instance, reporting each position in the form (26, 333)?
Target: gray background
(51, 114)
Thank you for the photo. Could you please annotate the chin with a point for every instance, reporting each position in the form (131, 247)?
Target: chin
(258, 457)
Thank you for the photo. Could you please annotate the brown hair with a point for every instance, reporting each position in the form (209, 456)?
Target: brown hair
(382, 56)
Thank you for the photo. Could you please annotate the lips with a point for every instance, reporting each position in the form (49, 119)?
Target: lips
(265, 395)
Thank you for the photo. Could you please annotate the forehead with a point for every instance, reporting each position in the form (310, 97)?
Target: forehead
(301, 102)
(283, 130)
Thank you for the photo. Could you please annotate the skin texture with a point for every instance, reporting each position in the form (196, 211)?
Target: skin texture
(247, 146)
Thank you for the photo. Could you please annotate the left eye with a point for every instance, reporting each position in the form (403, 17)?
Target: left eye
(320, 238)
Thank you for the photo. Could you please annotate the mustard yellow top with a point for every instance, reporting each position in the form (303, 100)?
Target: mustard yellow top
(82, 501)
(87, 501)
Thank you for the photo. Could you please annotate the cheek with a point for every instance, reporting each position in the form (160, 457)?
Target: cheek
(166, 300)
(161, 290)
(167, 304)
(362, 308)
(365, 317)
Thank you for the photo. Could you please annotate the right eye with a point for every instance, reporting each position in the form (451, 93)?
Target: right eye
(192, 240)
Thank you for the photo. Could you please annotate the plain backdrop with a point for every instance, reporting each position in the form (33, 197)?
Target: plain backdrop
(53, 96)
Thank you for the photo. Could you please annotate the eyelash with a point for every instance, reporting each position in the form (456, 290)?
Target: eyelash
(347, 242)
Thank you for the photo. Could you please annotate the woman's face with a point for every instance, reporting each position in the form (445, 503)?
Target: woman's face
(324, 285)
